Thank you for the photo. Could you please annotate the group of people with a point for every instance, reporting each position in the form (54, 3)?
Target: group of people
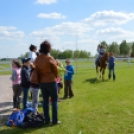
(49, 71)
(111, 62)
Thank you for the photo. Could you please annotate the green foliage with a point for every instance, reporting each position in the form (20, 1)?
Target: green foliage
(124, 48)
(114, 47)
(132, 49)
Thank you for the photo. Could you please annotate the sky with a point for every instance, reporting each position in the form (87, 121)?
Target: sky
(67, 24)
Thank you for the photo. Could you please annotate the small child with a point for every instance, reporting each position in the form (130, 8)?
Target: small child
(34, 88)
(101, 50)
(111, 65)
(68, 80)
(25, 79)
(16, 80)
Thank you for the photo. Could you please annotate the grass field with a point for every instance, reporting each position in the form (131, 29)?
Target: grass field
(97, 108)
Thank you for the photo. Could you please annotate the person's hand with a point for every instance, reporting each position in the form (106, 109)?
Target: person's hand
(65, 71)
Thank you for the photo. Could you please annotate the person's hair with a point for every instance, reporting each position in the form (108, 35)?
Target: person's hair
(45, 47)
(111, 54)
(32, 47)
(17, 63)
(37, 54)
(67, 60)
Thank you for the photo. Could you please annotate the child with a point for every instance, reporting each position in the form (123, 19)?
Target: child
(68, 76)
(111, 66)
(101, 50)
(25, 79)
(32, 53)
(16, 79)
(34, 88)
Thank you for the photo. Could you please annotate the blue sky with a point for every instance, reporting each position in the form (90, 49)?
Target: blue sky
(62, 22)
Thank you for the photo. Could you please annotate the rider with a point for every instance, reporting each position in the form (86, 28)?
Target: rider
(101, 50)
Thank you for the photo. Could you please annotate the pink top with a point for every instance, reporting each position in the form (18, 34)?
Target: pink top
(59, 79)
(17, 77)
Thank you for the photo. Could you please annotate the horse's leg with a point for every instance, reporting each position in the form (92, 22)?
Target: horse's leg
(97, 72)
(103, 72)
(100, 72)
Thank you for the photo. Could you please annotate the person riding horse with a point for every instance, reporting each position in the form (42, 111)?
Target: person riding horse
(101, 50)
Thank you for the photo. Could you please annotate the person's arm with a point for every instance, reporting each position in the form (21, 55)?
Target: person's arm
(54, 67)
(14, 75)
(71, 71)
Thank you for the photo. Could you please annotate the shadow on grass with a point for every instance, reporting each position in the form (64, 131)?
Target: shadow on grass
(94, 80)
(17, 130)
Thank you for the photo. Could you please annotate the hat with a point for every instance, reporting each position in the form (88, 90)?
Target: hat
(25, 60)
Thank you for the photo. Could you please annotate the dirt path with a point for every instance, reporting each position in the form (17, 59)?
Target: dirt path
(6, 95)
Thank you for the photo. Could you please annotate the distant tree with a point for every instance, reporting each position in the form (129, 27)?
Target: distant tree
(132, 50)
(114, 47)
(124, 48)
(68, 54)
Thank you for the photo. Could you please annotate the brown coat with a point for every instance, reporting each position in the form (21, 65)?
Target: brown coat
(47, 68)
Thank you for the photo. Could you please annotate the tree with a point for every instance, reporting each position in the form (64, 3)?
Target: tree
(132, 50)
(114, 47)
(124, 48)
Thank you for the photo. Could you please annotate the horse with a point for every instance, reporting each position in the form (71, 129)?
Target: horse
(102, 63)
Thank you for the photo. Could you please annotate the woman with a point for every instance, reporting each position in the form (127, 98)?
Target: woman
(47, 72)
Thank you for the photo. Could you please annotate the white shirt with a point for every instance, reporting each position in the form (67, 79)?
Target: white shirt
(32, 55)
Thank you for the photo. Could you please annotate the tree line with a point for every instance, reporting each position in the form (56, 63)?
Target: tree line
(122, 49)
(119, 50)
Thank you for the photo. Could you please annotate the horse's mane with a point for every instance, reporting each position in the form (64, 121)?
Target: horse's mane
(105, 56)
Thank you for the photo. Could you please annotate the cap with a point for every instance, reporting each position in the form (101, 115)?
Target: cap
(25, 60)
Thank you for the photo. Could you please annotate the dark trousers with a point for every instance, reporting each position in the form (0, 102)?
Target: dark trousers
(25, 96)
(50, 90)
(68, 88)
(16, 95)
(111, 72)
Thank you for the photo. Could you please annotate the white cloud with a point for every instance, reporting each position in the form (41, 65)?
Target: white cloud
(51, 16)
(45, 1)
(10, 33)
(65, 28)
(115, 34)
(108, 18)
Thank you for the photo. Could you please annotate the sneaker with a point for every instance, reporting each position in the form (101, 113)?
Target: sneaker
(58, 122)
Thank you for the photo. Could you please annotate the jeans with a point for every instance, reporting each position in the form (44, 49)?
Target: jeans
(35, 98)
(111, 70)
(25, 96)
(50, 89)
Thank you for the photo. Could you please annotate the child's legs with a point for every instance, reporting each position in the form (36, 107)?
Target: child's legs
(25, 96)
(65, 88)
(114, 77)
(16, 95)
(70, 84)
(35, 98)
(109, 74)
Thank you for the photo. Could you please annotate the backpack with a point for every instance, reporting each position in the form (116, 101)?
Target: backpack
(33, 121)
(16, 118)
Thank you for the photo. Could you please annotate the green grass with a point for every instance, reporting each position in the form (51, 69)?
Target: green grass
(97, 108)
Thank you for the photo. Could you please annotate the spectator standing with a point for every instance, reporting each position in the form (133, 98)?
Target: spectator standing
(25, 79)
(47, 72)
(68, 80)
(16, 80)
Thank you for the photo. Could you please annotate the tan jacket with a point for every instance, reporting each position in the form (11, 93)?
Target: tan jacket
(47, 68)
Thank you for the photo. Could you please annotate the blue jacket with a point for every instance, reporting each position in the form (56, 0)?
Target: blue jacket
(70, 73)
(111, 62)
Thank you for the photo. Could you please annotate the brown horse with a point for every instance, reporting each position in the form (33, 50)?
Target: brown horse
(102, 64)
